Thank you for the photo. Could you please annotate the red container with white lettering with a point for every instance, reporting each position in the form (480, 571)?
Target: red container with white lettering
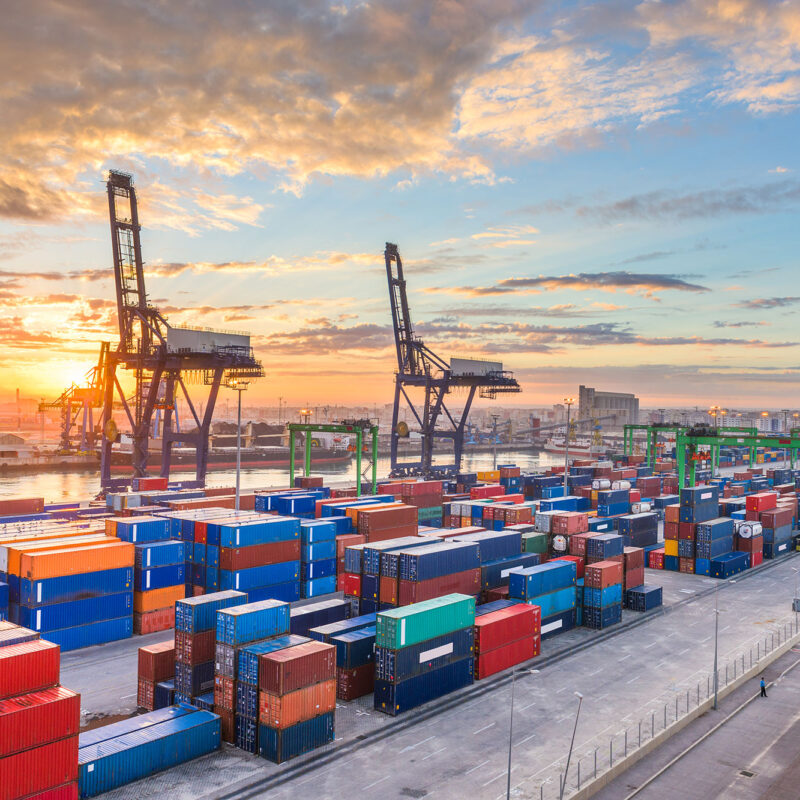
(505, 625)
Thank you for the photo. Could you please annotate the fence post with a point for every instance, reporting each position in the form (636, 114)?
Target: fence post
(653, 725)
(610, 753)
(676, 708)
(640, 733)
(626, 742)
(687, 701)
(595, 762)
(698, 693)
(726, 674)
(541, 791)
(579, 774)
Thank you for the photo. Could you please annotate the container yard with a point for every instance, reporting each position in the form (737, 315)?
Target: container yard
(229, 651)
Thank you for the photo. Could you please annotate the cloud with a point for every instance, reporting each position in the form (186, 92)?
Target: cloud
(327, 338)
(767, 198)
(779, 170)
(561, 310)
(738, 324)
(769, 302)
(630, 282)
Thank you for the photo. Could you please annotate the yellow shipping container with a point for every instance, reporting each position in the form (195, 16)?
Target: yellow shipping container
(112, 554)
(670, 547)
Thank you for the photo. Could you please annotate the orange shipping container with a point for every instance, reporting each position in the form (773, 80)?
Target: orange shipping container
(92, 558)
(281, 711)
(157, 599)
(11, 565)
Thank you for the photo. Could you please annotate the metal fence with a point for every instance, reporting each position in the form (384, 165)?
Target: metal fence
(601, 754)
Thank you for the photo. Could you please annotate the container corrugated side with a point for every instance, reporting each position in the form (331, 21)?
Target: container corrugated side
(132, 724)
(39, 768)
(505, 625)
(107, 630)
(397, 665)
(76, 612)
(252, 621)
(93, 558)
(73, 587)
(197, 614)
(290, 669)
(400, 627)
(135, 755)
(283, 711)
(38, 718)
(281, 745)
(28, 667)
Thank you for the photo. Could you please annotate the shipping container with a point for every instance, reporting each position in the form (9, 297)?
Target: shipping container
(63, 615)
(400, 627)
(249, 655)
(400, 664)
(28, 667)
(508, 655)
(499, 627)
(281, 745)
(74, 587)
(243, 558)
(285, 710)
(397, 697)
(246, 623)
(196, 614)
(157, 661)
(289, 669)
(39, 768)
(38, 718)
(354, 683)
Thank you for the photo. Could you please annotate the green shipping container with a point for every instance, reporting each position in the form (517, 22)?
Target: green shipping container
(400, 627)
(534, 542)
(433, 512)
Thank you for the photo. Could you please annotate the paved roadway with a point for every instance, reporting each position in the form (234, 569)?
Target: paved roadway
(748, 750)
(458, 747)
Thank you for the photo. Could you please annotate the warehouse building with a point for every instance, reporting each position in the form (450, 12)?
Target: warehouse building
(593, 403)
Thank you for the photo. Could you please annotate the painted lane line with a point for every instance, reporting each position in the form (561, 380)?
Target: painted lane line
(501, 775)
(375, 783)
(562, 689)
(126, 696)
(526, 739)
(485, 727)
(683, 651)
(725, 628)
(633, 679)
(433, 753)
(624, 657)
(477, 766)
(648, 646)
(412, 746)
(524, 708)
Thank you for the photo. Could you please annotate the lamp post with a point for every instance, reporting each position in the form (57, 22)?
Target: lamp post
(511, 726)
(239, 385)
(795, 607)
(571, 745)
(568, 402)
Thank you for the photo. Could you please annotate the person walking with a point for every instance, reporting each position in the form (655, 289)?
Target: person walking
(763, 687)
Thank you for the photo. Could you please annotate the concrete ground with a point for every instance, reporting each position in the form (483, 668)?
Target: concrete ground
(458, 747)
(747, 750)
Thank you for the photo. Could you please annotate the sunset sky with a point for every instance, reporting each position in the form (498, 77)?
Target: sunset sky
(602, 193)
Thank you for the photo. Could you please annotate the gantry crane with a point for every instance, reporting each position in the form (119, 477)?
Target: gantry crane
(162, 357)
(78, 402)
(421, 372)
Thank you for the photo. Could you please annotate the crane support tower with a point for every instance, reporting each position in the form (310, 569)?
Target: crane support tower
(423, 382)
(163, 358)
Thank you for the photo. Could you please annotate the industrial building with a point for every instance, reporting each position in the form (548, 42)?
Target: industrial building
(593, 403)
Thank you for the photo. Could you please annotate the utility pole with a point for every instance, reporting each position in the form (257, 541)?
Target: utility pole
(568, 401)
(494, 441)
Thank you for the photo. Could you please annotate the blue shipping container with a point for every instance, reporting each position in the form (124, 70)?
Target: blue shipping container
(644, 598)
(494, 546)
(318, 569)
(303, 618)
(132, 724)
(553, 603)
(75, 587)
(281, 745)
(267, 575)
(354, 648)
(318, 587)
(252, 621)
(197, 614)
(107, 630)
(313, 531)
(285, 592)
(495, 573)
(160, 554)
(80, 612)
(142, 529)
(395, 698)
(558, 623)
(319, 551)
(264, 531)
(541, 579)
(399, 665)
(159, 577)
(435, 560)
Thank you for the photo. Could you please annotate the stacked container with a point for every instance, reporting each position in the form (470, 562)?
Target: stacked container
(297, 700)
(602, 594)
(39, 722)
(426, 496)
(437, 569)
(499, 553)
(77, 590)
(159, 580)
(247, 553)
(377, 523)
(156, 665)
(236, 628)
(359, 679)
(317, 557)
(423, 651)
(550, 586)
(195, 641)
(639, 530)
(506, 637)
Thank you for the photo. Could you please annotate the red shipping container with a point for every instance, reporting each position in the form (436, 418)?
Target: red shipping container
(224, 692)
(352, 584)
(777, 517)
(635, 496)
(258, 555)
(31, 720)
(634, 557)
(153, 621)
(392, 533)
(195, 648)
(672, 513)
(686, 530)
(421, 488)
(28, 667)
(489, 490)
(510, 472)
(602, 574)
(21, 505)
(570, 522)
(671, 530)
(756, 559)
(498, 628)
(578, 560)
(763, 501)
(500, 593)
(686, 565)
(157, 661)
(467, 582)
(633, 577)
(145, 694)
(493, 661)
(39, 768)
(656, 559)
(356, 682)
(67, 791)
(227, 724)
(388, 590)
(577, 543)
(755, 544)
(344, 541)
(286, 670)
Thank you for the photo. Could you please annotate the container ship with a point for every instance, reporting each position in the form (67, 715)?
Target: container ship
(580, 447)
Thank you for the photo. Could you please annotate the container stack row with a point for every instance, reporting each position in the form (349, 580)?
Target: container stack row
(507, 632)
(317, 557)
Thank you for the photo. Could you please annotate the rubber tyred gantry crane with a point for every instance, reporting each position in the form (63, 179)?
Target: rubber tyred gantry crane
(162, 357)
(423, 374)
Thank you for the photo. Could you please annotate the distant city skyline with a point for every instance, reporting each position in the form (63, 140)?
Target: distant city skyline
(593, 193)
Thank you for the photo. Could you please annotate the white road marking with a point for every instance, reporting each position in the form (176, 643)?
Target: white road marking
(624, 657)
(375, 783)
(412, 746)
(526, 739)
(485, 727)
(126, 696)
(562, 689)
(477, 766)
(502, 774)
(648, 646)
(528, 706)
(433, 753)
(633, 679)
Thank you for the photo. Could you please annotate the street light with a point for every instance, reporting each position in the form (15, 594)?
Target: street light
(238, 385)
(716, 643)
(511, 725)
(571, 744)
(795, 607)
(568, 401)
